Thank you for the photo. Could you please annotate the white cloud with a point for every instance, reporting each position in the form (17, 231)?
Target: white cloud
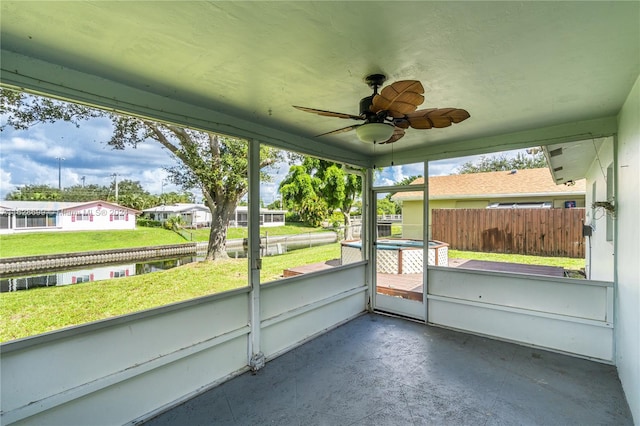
(24, 145)
(25, 171)
(60, 152)
(6, 186)
(155, 181)
(444, 167)
(392, 175)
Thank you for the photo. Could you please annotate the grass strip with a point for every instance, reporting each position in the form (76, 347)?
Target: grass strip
(40, 243)
(564, 262)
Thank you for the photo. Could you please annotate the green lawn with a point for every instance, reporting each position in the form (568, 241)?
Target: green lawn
(38, 243)
(272, 266)
(30, 312)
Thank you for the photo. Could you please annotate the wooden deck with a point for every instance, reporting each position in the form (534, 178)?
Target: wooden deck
(409, 286)
(552, 271)
(313, 267)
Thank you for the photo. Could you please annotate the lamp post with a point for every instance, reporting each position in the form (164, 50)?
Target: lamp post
(115, 178)
(60, 159)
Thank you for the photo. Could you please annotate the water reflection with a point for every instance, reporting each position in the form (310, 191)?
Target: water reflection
(90, 274)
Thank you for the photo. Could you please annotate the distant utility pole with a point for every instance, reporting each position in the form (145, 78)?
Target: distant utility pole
(82, 179)
(115, 177)
(60, 159)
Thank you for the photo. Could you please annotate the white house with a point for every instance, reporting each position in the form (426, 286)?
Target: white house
(199, 215)
(38, 216)
(194, 215)
(267, 217)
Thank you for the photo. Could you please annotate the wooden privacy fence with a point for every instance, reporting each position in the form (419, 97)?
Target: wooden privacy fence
(538, 232)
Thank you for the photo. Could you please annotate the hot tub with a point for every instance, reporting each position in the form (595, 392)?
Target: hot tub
(398, 256)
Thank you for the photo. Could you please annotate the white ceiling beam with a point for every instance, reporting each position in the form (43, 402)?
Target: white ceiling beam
(562, 133)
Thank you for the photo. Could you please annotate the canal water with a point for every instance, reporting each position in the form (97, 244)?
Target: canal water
(90, 273)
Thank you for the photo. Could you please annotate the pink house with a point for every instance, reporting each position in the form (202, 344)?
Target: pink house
(38, 216)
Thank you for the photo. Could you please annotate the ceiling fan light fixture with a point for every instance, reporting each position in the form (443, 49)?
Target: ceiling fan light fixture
(374, 132)
(397, 103)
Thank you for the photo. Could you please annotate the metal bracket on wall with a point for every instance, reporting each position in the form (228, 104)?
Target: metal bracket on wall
(257, 361)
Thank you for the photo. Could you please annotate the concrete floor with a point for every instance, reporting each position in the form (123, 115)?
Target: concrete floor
(378, 370)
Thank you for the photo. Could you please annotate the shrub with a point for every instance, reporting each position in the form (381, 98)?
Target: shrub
(150, 223)
(290, 217)
(336, 220)
(174, 223)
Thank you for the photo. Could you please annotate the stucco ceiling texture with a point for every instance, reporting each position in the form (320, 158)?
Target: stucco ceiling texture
(513, 65)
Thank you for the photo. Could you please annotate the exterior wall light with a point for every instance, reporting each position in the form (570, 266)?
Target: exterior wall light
(608, 206)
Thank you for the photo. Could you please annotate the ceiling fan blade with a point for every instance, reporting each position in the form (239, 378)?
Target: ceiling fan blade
(399, 98)
(344, 129)
(435, 117)
(403, 123)
(458, 115)
(420, 119)
(329, 113)
(397, 134)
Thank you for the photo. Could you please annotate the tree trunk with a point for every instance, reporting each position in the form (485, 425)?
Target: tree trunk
(218, 234)
(348, 230)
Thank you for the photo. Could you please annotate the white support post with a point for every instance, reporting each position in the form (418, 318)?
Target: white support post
(255, 355)
(425, 244)
(366, 232)
(613, 303)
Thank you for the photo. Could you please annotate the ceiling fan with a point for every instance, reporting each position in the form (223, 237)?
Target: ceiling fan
(387, 114)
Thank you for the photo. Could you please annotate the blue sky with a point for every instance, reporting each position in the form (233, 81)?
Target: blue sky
(30, 157)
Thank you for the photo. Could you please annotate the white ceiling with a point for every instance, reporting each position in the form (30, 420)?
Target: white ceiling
(517, 67)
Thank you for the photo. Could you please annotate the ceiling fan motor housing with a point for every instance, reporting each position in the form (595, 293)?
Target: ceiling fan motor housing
(374, 81)
(365, 107)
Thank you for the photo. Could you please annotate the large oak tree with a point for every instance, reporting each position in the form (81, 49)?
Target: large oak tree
(217, 164)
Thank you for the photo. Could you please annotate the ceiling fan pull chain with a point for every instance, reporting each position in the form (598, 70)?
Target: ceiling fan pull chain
(391, 155)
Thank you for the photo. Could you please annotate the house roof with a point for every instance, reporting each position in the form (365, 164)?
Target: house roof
(185, 207)
(262, 210)
(502, 184)
(528, 72)
(55, 206)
